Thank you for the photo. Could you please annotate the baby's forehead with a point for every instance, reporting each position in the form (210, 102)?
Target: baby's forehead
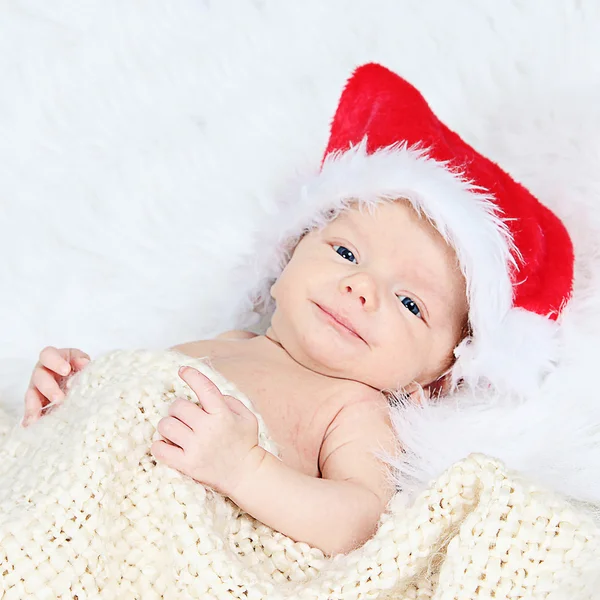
(346, 217)
(375, 217)
(354, 215)
(387, 225)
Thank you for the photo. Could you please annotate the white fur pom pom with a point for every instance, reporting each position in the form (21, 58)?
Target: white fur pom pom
(514, 356)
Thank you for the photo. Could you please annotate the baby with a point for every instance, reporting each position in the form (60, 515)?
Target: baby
(370, 302)
(374, 301)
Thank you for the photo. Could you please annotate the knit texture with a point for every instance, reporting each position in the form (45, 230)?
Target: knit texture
(86, 512)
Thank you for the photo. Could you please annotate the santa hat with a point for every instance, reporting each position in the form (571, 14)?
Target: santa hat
(515, 254)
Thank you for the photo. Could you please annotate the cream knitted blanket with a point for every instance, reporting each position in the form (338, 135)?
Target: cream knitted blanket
(85, 512)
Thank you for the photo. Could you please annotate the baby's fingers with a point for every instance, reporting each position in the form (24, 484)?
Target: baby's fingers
(56, 360)
(73, 355)
(64, 361)
(34, 404)
(44, 381)
(81, 361)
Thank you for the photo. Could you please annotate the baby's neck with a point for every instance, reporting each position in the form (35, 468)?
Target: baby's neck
(269, 346)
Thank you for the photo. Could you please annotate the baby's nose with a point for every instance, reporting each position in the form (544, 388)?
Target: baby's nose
(364, 289)
(362, 298)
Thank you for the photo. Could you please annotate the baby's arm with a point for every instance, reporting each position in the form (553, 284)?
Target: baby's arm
(341, 511)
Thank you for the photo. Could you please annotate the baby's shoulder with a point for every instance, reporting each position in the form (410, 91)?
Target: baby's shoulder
(236, 334)
(360, 396)
(360, 407)
(212, 348)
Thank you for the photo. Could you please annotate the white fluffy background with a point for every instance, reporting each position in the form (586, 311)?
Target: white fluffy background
(140, 141)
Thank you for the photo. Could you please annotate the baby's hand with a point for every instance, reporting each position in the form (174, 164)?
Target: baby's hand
(215, 442)
(47, 384)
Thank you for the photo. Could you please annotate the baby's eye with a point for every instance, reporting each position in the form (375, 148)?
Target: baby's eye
(411, 305)
(345, 253)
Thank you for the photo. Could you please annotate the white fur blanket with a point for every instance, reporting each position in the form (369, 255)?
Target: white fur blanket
(85, 512)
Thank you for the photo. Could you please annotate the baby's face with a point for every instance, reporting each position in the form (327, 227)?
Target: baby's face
(392, 279)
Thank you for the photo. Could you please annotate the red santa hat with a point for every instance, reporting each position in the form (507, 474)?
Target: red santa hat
(515, 254)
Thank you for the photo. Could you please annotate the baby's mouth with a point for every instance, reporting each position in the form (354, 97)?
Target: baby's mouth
(343, 325)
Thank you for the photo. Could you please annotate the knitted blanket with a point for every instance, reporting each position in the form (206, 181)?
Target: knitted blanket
(85, 512)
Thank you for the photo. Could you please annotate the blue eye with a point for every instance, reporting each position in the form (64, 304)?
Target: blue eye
(345, 253)
(411, 305)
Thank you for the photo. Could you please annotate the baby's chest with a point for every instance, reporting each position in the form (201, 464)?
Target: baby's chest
(296, 418)
(295, 413)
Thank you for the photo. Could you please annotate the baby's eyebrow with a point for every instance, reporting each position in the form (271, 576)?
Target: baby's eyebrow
(348, 223)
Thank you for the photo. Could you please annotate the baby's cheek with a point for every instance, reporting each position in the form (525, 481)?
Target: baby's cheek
(400, 364)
